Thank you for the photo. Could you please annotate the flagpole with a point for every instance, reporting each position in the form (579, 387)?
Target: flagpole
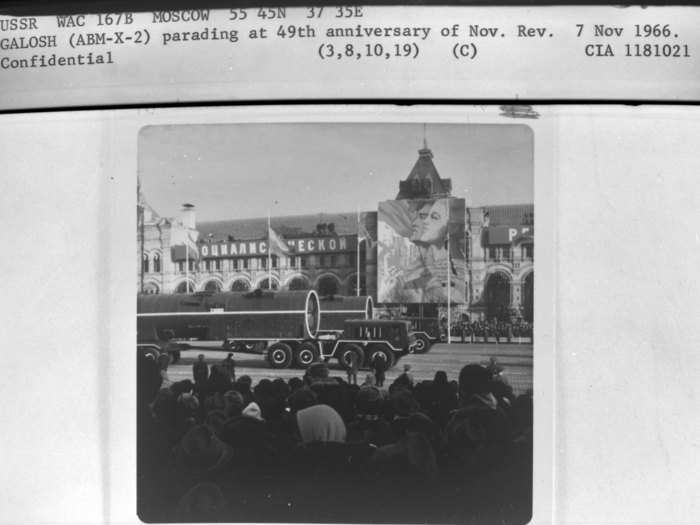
(269, 254)
(449, 280)
(358, 252)
(187, 261)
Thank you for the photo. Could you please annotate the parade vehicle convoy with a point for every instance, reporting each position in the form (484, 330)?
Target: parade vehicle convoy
(290, 328)
(424, 324)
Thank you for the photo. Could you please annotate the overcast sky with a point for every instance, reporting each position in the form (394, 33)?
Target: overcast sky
(242, 170)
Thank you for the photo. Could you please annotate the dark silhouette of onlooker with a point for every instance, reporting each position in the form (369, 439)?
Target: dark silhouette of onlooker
(243, 385)
(368, 425)
(353, 367)
(403, 381)
(231, 452)
(229, 366)
(379, 365)
(200, 372)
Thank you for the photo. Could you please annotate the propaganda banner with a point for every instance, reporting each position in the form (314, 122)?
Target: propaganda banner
(421, 247)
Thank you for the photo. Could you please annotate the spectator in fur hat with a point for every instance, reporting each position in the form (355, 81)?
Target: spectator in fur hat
(295, 384)
(368, 426)
(409, 460)
(243, 385)
(233, 404)
(215, 420)
(475, 387)
(478, 438)
(200, 451)
(403, 405)
(250, 440)
(182, 387)
(301, 399)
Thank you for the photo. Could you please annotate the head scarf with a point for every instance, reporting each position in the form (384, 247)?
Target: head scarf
(320, 423)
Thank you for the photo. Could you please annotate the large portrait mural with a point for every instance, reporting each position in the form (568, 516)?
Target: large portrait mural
(421, 247)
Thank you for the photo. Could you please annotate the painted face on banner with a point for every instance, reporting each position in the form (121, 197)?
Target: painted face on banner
(430, 224)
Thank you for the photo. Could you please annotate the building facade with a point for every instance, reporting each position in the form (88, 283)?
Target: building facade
(334, 252)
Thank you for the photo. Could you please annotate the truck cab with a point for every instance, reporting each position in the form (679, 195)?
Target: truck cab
(369, 338)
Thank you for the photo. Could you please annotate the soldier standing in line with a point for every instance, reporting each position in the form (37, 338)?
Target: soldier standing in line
(200, 372)
(229, 365)
(352, 369)
(379, 365)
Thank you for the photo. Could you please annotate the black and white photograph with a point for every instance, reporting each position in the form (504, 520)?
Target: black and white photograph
(335, 322)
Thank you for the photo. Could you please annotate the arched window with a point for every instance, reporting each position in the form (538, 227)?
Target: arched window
(183, 288)
(156, 263)
(151, 289)
(528, 297)
(328, 286)
(240, 285)
(264, 284)
(497, 296)
(212, 286)
(298, 283)
(146, 268)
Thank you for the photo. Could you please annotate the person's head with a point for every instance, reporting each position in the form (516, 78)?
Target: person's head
(189, 402)
(406, 368)
(200, 450)
(233, 403)
(370, 380)
(403, 403)
(430, 223)
(320, 423)
(302, 398)
(200, 357)
(295, 384)
(317, 371)
(440, 378)
(253, 410)
(474, 380)
(369, 401)
(245, 382)
(230, 355)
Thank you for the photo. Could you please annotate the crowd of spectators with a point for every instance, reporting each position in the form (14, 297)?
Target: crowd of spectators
(468, 331)
(319, 449)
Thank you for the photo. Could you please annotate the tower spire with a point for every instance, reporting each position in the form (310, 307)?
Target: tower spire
(425, 136)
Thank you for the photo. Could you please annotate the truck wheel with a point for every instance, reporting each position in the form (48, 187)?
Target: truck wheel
(306, 354)
(279, 355)
(388, 355)
(422, 344)
(345, 356)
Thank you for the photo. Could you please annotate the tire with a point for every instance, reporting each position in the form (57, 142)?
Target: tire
(279, 355)
(306, 354)
(423, 344)
(149, 351)
(388, 354)
(347, 351)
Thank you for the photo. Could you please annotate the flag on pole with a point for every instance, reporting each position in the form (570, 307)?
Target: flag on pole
(183, 243)
(277, 246)
(363, 233)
